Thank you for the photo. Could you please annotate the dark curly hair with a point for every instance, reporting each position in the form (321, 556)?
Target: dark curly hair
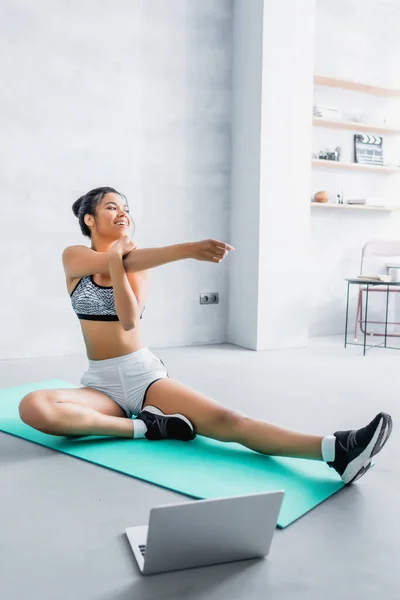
(87, 204)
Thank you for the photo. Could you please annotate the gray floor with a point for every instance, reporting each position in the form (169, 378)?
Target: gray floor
(62, 520)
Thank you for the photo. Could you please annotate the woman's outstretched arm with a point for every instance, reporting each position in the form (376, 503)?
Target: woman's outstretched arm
(79, 261)
(143, 259)
(148, 258)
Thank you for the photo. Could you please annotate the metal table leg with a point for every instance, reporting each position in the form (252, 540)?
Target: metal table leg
(347, 314)
(387, 311)
(366, 317)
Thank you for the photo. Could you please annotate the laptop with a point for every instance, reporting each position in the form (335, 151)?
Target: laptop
(206, 532)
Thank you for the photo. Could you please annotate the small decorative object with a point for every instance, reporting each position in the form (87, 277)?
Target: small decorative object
(328, 155)
(326, 112)
(357, 201)
(368, 149)
(321, 197)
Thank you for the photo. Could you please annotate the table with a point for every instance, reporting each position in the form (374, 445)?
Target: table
(369, 283)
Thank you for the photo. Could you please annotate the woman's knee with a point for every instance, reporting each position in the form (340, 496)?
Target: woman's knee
(35, 410)
(227, 424)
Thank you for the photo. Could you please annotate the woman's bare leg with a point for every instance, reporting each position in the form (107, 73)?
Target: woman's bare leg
(213, 420)
(75, 412)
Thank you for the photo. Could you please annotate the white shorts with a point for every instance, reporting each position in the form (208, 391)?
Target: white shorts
(125, 379)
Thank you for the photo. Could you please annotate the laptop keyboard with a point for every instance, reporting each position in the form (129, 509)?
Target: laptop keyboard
(142, 548)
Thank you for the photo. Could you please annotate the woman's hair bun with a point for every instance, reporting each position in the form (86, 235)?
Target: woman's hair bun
(76, 206)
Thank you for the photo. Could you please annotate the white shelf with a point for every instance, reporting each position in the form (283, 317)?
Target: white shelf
(333, 164)
(354, 86)
(327, 205)
(320, 122)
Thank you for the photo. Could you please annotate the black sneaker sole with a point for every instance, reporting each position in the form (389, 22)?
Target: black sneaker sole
(177, 432)
(360, 465)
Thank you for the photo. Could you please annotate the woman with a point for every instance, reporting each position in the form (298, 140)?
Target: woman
(109, 286)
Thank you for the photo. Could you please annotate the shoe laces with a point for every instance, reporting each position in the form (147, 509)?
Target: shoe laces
(160, 423)
(352, 440)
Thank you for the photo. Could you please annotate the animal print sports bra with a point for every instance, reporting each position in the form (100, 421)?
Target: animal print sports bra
(94, 302)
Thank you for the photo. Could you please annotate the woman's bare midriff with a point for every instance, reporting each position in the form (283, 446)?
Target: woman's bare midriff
(106, 339)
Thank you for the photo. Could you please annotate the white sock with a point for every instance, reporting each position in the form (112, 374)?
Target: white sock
(139, 428)
(328, 448)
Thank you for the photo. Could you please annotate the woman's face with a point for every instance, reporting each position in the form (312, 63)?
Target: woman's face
(113, 218)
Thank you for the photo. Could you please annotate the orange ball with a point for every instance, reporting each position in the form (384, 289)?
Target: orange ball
(321, 197)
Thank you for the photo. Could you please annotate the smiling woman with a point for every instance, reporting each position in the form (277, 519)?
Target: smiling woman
(99, 208)
(109, 285)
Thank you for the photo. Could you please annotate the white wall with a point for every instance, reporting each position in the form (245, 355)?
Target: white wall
(245, 173)
(358, 41)
(271, 147)
(137, 95)
(131, 94)
(278, 288)
(288, 60)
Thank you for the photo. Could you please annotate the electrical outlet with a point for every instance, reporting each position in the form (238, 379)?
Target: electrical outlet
(210, 298)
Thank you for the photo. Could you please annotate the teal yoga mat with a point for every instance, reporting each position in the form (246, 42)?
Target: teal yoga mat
(203, 468)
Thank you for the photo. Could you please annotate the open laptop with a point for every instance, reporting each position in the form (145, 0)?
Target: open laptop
(206, 532)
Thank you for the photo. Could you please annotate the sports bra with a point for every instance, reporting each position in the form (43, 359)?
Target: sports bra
(94, 302)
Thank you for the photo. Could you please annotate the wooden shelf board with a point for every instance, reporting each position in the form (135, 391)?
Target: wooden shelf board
(333, 164)
(320, 122)
(327, 205)
(354, 86)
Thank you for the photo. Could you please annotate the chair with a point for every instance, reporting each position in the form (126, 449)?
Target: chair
(375, 248)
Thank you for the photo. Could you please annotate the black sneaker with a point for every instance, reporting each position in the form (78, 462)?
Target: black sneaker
(355, 449)
(161, 426)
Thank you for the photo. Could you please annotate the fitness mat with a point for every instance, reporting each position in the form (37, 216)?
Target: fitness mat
(202, 468)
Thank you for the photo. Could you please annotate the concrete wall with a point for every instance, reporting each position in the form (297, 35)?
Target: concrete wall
(358, 41)
(132, 94)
